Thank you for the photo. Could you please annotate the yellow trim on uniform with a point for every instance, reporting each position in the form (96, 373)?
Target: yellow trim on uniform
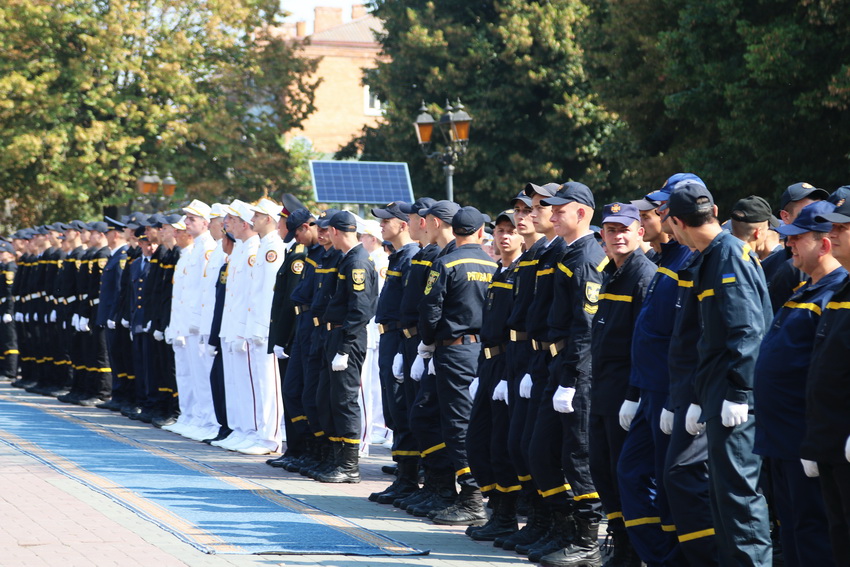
(298, 418)
(545, 272)
(838, 305)
(349, 441)
(463, 471)
(489, 263)
(488, 487)
(615, 297)
(686, 283)
(746, 256)
(524, 478)
(105, 370)
(393, 273)
(502, 285)
(430, 450)
(311, 262)
(799, 285)
(602, 264)
(586, 496)
(326, 270)
(13, 351)
(615, 515)
(669, 273)
(341, 276)
(565, 269)
(666, 528)
(696, 535)
(553, 491)
(706, 293)
(319, 434)
(513, 488)
(810, 306)
(405, 453)
(643, 521)
(526, 263)
(421, 263)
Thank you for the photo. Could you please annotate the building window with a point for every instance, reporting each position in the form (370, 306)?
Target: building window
(372, 105)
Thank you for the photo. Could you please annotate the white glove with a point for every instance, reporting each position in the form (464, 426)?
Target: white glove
(279, 352)
(194, 330)
(53, 316)
(147, 327)
(158, 335)
(84, 325)
(7, 318)
(239, 345)
(110, 324)
(666, 422)
(179, 342)
(431, 369)
(500, 392)
(19, 317)
(473, 387)
(211, 350)
(339, 363)
(525, 386)
(64, 325)
(398, 366)
(418, 368)
(847, 449)
(125, 323)
(259, 341)
(35, 316)
(27, 318)
(75, 321)
(734, 414)
(692, 424)
(810, 468)
(425, 351)
(627, 413)
(562, 400)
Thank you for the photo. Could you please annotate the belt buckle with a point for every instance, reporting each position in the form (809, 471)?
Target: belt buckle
(408, 334)
(316, 322)
(534, 344)
(298, 310)
(553, 349)
(487, 353)
(513, 335)
(382, 328)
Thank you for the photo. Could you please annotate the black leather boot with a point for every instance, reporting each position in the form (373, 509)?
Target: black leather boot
(467, 511)
(503, 521)
(561, 535)
(406, 483)
(539, 521)
(347, 467)
(583, 552)
(624, 554)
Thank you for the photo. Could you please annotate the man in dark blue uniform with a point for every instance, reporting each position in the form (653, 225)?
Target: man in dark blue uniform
(735, 310)
(450, 323)
(346, 316)
(779, 391)
(613, 401)
(827, 440)
(395, 222)
(107, 307)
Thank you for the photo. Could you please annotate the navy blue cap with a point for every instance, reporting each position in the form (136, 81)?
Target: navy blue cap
(841, 214)
(98, 226)
(443, 210)
(139, 232)
(646, 204)
(547, 190)
(523, 198)
(840, 195)
(77, 225)
(751, 209)
(7, 247)
(324, 218)
(113, 224)
(295, 219)
(421, 204)
(344, 221)
(689, 197)
(810, 219)
(229, 236)
(136, 219)
(156, 220)
(27, 234)
(467, 220)
(663, 194)
(800, 191)
(172, 218)
(572, 192)
(507, 215)
(395, 210)
(623, 213)
(41, 230)
(57, 227)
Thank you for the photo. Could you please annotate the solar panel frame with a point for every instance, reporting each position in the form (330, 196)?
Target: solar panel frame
(367, 182)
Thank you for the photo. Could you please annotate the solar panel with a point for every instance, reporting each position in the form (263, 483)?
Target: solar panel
(361, 181)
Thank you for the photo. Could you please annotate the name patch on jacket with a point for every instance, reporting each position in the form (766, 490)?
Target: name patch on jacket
(479, 277)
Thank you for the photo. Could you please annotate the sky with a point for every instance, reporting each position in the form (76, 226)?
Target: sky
(303, 9)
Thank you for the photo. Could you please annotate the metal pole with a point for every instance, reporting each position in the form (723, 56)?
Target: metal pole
(450, 193)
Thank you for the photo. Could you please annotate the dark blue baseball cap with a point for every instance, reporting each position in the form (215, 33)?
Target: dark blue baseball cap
(840, 195)
(98, 226)
(547, 190)
(689, 197)
(522, 198)
(572, 192)
(663, 194)
(324, 218)
(420, 204)
(344, 221)
(295, 219)
(443, 210)
(113, 224)
(810, 219)
(395, 210)
(840, 214)
(622, 213)
(467, 220)
(800, 191)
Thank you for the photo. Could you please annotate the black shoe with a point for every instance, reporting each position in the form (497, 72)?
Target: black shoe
(35, 389)
(89, 402)
(24, 384)
(111, 405)
(347, 469)
(414, 499)
(539, 522)
(131, 411)
(436, 502)
(503, 521)
(389, 469)
(69, 398)
(163, 421)
(584, 549)
(406, 484)
(467, 511)
(561, 536)
(56, 392)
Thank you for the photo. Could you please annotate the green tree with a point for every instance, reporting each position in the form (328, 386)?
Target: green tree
(94, 92)
(520, 70)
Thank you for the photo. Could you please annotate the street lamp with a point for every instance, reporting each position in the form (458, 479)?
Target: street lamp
(149, 184)
(454, 127)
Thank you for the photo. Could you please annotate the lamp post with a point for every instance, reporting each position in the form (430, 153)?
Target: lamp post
(454, 127)
(149, 184)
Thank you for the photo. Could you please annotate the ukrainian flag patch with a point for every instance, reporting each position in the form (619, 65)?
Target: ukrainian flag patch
(728, 278)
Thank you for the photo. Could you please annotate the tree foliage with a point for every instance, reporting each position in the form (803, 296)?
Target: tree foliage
(93, 92)
(519, 69)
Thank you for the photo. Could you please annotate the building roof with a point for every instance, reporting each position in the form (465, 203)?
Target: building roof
(356, 31)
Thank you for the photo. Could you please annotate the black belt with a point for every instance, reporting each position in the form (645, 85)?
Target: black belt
(462, 340)
(386, 327)
(410, 332)
(332, 326)
(303, 308)
(557, 347)
(540, 345)
(518, 336)
(490, 352)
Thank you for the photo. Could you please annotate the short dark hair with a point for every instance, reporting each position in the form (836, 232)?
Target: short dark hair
(698, 218)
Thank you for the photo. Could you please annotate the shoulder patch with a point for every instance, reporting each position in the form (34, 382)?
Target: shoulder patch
(252, 259)
(358, 279)
(122, 263)
(383, 273)
(271, 256)
(297, 266)
(432, 279)
(591, 291)
(101, 263)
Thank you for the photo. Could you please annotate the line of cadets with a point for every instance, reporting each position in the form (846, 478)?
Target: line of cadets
(570, 379)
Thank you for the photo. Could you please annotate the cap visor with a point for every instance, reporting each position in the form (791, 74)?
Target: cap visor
(644, 205)
(382, 214)
(525, 200)
(556, 201)
(791, 230)
(832, 217)
(658, 196)
(619, 219)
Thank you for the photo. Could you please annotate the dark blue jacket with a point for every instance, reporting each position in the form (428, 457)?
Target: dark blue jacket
(525, 274)
(782, 365)
(620, 301)
(326, 279)
(654, 325)
(355, 296)
(389, 303)
(110, 286)
(544, 285)
(735, 312)
(682, 356)
(305, 289)
(414, 284)
(497, 307)
(139, 271)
